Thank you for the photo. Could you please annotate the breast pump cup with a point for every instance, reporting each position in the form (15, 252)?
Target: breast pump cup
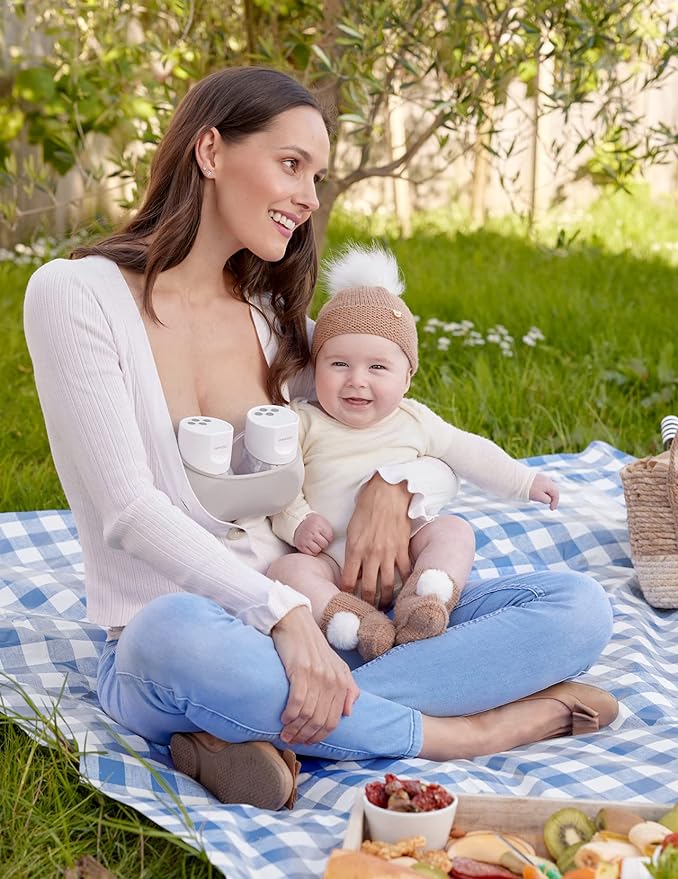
(271, 438)
(206, 444)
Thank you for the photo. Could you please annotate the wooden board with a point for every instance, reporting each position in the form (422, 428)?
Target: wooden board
(524, 816)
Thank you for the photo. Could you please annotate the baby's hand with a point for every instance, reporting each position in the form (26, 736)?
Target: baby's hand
(545, 491)
(313, 535)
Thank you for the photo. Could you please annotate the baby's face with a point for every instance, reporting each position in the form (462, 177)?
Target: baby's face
(360, 379)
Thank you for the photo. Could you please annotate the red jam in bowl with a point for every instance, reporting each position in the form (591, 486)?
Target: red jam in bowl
(407, 795)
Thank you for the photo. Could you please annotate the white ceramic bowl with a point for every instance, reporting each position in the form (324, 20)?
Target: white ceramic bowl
(390, 826)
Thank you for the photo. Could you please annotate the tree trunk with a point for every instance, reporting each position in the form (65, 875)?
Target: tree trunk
(329, 193)
(250, 26)
(328, 88)
(397, 143)
(534, 146)
(481, 171)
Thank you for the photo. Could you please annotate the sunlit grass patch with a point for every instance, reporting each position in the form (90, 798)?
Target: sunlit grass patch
(50, 819)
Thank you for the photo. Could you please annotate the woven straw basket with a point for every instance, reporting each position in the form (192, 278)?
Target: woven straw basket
(651, 492)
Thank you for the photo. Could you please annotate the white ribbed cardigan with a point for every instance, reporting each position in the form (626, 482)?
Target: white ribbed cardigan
(143, 532)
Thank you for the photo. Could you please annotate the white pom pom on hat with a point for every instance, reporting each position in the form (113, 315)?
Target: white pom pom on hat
(360, 266)
(365, 287)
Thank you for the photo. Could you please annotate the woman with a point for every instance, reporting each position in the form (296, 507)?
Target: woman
(198, 306)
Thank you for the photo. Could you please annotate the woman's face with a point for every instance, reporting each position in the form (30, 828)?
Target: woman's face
(264, 187)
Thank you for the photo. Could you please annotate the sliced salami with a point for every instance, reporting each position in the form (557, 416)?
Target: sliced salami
(468, 868)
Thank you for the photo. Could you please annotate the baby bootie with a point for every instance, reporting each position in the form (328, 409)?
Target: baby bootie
(349, 622)
(422, 610)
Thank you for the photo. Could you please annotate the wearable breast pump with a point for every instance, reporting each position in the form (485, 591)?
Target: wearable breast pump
(270, 439)
(256, 473)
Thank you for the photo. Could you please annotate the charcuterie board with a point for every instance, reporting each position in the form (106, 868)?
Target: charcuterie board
(524, 816)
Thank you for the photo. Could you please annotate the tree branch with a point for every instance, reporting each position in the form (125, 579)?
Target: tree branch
(378, 103)
(388, 169)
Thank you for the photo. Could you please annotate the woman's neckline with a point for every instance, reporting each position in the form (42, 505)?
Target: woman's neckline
(258, 320)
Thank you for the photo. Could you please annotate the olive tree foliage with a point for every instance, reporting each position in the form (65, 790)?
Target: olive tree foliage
(118, 68)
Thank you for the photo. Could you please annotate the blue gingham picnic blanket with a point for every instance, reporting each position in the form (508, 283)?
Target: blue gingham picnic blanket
(48, 659)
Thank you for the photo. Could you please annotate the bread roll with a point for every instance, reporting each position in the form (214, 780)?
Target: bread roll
(344, 864)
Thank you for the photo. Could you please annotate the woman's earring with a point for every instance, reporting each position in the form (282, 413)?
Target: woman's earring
(208, 171)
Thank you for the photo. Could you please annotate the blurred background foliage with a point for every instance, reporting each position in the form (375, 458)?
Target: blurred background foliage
(117, 69)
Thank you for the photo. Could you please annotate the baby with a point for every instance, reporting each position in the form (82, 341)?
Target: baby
(365, 353)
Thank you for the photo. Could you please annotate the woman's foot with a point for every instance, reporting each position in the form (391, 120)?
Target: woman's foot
(562, 710)
(253, 773)
(590, 707)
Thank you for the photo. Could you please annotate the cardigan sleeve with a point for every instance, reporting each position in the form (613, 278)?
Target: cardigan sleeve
(90, 417)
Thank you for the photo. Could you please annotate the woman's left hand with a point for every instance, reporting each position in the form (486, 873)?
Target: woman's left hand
(378, 540)
(322, 688)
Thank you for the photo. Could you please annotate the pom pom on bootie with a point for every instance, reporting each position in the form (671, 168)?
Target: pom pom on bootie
(422, 610)
(348, 623)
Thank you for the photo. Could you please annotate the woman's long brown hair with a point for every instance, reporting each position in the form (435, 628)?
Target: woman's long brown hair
(237, 102)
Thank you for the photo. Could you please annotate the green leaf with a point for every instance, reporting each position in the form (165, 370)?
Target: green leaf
(527, 70)
(353, 117)
(88, 110)
(11, 123)
(142, 108)
(529, 27)
(351, 32)
(35, 84)
(322, 56)
(301, 55)
(60, 159)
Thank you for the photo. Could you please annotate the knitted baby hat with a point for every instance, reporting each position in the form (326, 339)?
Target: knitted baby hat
(365, 290)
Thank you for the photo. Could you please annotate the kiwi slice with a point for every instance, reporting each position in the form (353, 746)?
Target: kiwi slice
(566, 860)
(567, 827)
(616, 819)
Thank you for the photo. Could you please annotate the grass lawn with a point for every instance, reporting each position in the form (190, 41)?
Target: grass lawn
(600, 288)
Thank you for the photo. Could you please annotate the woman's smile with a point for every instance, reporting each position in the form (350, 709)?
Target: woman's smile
(285, 223)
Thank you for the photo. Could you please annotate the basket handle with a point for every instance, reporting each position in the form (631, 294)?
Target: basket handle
(672, 481)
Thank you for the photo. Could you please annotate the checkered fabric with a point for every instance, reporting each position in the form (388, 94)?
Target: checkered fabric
(48, 659)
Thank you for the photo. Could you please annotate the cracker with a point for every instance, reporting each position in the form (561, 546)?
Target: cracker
(410, 847)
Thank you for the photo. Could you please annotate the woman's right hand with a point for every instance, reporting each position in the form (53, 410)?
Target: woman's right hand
(322, 688)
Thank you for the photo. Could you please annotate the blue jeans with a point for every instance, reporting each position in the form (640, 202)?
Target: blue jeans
(184, 664)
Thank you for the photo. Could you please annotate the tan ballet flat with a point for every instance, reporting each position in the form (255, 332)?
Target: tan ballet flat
(253, 773)
(590, 707)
